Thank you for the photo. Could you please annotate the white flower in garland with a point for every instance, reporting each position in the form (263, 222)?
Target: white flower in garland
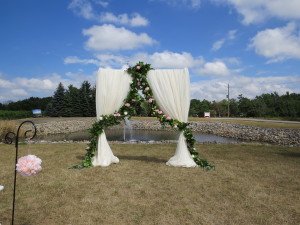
(125, 113)
(1, 187)
(100, 118)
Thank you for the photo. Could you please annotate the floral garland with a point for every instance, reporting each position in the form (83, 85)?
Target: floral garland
(139, 82)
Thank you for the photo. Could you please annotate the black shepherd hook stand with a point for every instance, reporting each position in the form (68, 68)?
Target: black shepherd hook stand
(9, 138)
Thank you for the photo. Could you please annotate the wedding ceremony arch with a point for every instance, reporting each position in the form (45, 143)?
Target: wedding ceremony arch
(117, 95)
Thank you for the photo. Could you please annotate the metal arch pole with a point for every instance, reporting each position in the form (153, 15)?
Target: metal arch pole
(16, 160)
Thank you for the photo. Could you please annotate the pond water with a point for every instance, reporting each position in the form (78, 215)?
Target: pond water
(137, 135)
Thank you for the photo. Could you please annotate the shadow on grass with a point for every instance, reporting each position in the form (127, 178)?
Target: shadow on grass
(290, 154)
(81, 157)
(142, 158)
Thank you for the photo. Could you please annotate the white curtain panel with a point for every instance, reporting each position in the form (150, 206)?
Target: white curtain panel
(112, 87)
(171, 90)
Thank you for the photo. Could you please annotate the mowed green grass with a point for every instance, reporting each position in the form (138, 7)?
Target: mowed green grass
(264, 124)
(252, 184)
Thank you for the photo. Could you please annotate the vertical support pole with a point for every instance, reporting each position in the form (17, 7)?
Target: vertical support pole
(228, 113)
(9, 140)
(15, 179)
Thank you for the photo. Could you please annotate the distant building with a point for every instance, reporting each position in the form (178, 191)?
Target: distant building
(207, 114)
(37, 112)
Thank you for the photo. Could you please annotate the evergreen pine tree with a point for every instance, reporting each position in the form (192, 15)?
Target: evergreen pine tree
(93, 102)
(58, 103)
(49, 109)
(75, 101)
(86, 98)
(67, 111)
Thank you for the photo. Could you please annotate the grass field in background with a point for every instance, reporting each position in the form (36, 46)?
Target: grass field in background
(11, 114)
(265, 124)
(252, 184)
(7, 126)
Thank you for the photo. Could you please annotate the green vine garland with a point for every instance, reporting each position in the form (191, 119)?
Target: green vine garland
(139, 82)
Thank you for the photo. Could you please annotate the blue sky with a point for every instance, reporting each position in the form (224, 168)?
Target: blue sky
(254, 46)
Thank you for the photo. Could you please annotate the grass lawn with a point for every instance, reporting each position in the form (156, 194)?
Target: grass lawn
(265, 124)
(252, 184)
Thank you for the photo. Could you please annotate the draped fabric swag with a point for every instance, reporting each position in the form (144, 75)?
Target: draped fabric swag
(171, 91)
(112, 87)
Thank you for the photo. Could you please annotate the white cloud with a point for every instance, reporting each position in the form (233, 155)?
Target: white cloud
(255, 11)
(31, 84)
(217, 68)
(19, 92)
(165, 59)
(35, 84)
(5, 83)
(218, 44)
(102, 3)
(168, 59)
(193, 4)
(111, 61)
(109, 37)
(75, 59)
(250, 87)
(83, 8)
(78, 78)
(278, 44)
(232, 60)
(21, 87)
(123, 19)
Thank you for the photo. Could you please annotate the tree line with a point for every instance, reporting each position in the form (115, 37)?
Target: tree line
(26, 104)
(265, 105)
(81, 102)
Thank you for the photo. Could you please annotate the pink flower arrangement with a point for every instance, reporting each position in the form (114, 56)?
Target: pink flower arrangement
(168, 118)
(150, 100)
(29, 165)
(138, 67)
(147, 89)
(117, 114)
(139, 83)
(127, 104)
(160, 112)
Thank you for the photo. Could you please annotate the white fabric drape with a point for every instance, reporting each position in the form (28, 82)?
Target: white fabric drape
(171, 90)
(112, 87)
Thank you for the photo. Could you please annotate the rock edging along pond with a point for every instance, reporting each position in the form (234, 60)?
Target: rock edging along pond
(231, 130)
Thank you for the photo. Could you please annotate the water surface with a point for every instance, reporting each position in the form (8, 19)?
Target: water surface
(137, 135)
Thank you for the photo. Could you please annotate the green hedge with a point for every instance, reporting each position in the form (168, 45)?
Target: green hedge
(9, 115)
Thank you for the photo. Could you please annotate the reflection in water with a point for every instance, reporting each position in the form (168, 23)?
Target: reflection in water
(137, 135)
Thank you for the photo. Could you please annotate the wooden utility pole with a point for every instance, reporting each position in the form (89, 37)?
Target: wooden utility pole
(228, 113)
